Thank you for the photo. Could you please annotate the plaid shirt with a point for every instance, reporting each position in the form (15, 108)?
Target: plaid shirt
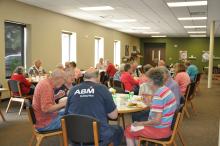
(42, 100)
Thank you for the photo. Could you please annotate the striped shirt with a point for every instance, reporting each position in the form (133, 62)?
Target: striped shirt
(163, 102)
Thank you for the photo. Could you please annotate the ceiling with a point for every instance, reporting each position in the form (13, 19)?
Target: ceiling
(148, 13)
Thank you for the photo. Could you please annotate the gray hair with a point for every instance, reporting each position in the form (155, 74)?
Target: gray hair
(58, 73)
(89, 75)
(156, 75)
(69, 72)
(165, 70)
(19, 70)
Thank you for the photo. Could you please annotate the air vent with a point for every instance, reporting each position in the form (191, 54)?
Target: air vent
(198, 13)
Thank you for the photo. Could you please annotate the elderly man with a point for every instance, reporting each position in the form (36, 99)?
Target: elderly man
(171, 84)
(36, 69)
(93, 99)
(47, 112)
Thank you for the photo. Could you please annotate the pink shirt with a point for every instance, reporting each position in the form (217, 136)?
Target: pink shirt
(182, 79)
(42, 100)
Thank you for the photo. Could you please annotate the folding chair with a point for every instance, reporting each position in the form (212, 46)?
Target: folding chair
(16, 95)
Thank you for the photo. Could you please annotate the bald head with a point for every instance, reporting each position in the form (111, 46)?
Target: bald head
(91, 74)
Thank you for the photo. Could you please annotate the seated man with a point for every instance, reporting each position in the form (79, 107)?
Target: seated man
(130, 84)
(45, 109)
(163, 107)
(36, 69)
(93, 99)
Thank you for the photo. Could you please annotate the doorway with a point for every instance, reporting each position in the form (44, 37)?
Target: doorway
(153, 52)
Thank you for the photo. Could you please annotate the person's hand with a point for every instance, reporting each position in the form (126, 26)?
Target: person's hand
(63, 101)
(61, 93)
(138, 124)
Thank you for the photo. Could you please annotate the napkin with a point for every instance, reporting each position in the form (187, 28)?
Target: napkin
(136, 128)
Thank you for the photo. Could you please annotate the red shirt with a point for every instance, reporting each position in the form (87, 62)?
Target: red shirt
(24, 83)
(111, 70)
(42, 100)
(128, 81)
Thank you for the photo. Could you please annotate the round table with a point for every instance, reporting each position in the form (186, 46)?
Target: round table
(121, 103)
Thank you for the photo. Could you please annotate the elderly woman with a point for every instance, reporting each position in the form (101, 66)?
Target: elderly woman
(26, 87)
(182, 78)
(117, 75)
(159, 122)
(64, 89)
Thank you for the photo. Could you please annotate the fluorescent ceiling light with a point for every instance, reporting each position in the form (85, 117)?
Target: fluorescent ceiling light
(151, 32)
(98, 8)
(197, 32)
(140, 27)
(124, 20)
(186, 4)
(158, 36)
(198, 35)
(192, 18)
(194, 26)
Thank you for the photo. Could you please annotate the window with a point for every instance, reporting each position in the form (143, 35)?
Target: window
(117, 52)
(99, 49)
(68, 47)
(15, 43)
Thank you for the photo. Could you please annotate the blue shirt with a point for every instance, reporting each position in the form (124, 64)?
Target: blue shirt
(92, 99)
(174, 87)
(192, 71)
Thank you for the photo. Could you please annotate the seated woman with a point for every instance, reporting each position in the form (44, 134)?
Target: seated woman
(182, 78)
(64, 89)
(19, 75)
(130, 84)
(144, 91)
(162, 109)
(77, 71)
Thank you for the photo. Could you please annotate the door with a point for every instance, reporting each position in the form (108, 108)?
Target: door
(153, 52)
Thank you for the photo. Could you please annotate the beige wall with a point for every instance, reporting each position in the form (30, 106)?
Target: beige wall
(45, 29)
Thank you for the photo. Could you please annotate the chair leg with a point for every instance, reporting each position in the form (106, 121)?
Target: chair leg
(174, 143)
(181, 137)
(22, 104)
(187, 113)
(193, 108)
(61, 140)
(32, 140)
(39, 140)
(3, 118)
(9, 103)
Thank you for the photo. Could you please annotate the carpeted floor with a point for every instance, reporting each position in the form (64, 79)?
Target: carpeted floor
(200, 130)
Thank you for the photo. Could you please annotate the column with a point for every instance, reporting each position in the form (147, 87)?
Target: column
(211, 49)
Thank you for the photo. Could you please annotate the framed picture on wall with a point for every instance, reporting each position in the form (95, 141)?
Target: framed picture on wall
(183, 55)
(127, 53)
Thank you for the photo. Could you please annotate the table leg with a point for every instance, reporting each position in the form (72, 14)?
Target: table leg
(3, 118)
(123, 120)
